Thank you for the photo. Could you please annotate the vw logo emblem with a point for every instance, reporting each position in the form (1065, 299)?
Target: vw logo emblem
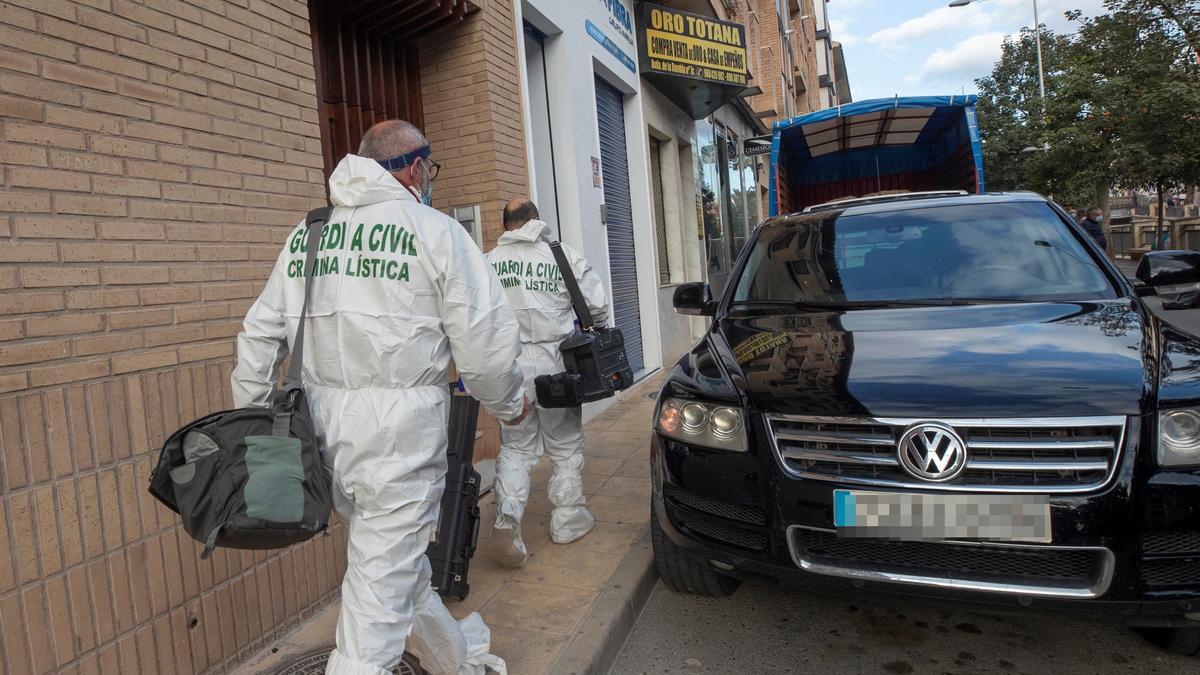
(932, 451)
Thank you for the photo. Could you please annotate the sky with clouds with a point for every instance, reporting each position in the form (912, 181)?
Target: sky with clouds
(918, 47)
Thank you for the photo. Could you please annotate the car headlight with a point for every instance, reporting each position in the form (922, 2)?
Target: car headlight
(707, 424)
(1179, 438)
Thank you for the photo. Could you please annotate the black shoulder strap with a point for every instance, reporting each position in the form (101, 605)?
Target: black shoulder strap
(581, 309)
(315, 222)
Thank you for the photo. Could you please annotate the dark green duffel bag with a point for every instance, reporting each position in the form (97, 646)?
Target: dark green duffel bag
(252, 477)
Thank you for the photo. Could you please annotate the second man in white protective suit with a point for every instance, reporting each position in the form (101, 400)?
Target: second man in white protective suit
(537, 295)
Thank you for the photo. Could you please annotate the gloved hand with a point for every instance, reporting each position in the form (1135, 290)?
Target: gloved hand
(526, 408)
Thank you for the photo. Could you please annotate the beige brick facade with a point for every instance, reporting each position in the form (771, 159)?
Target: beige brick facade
(155, 153)
(154, 156)
(472, 102)
(784, 89)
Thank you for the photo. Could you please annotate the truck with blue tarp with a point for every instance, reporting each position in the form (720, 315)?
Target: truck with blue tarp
(880, 146)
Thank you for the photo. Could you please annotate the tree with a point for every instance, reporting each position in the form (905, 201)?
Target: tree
(1145, 93)
(1182, 15)
(1123, 105)
(1012, 117)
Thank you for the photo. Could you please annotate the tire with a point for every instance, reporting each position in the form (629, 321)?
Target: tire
(1182, 641)
(682, 572)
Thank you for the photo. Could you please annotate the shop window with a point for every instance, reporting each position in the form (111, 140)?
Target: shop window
(366, 61)
(735, 203)
(709, 179)
(729, 194)
(660, 211)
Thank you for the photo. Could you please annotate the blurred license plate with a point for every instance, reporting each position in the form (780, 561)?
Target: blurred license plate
(891, 515)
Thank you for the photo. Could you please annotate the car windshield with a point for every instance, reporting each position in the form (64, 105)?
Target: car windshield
(1016, 251)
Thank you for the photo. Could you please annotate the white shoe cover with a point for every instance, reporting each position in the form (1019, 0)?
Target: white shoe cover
(570, 523)
(467, 653)
(508, 548)
(339, 664)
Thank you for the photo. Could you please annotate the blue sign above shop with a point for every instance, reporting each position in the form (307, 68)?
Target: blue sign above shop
(612, 48)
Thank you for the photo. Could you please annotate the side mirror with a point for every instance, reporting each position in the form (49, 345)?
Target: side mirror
(1170, 273)
(694, 299)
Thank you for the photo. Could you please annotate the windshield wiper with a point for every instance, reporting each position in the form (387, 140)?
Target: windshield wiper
(897, 303)
(801, 305)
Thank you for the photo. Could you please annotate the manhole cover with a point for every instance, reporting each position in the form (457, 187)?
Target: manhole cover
(313, 663)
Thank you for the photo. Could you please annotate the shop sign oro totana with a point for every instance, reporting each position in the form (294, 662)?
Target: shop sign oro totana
(692, 46)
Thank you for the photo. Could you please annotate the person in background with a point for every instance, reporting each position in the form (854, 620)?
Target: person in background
(402, 290)
(1093, 224)
(537, 295)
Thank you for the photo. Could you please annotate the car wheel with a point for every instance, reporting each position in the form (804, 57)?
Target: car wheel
(1184, 641)
(682, 572)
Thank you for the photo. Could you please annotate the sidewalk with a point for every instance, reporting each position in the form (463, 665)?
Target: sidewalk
(572, 592)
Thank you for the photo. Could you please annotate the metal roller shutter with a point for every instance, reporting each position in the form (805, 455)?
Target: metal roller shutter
(622, 262)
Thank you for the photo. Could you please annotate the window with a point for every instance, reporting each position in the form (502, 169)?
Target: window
(735, 204)
(998, 252)
(660, 212)
(709, 175)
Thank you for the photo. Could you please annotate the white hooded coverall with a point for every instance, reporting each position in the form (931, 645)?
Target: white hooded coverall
(400, 288)
(537, 295)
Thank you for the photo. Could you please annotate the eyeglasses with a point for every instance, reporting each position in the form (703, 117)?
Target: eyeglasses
(434, 168)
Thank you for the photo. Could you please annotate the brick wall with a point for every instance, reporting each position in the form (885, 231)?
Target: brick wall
(473, 119)
(767, 56)
(155, 153)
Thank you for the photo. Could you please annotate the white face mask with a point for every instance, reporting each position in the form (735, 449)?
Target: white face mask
(425, 193)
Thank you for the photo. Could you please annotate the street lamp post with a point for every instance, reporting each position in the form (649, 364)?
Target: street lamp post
(1037, 32)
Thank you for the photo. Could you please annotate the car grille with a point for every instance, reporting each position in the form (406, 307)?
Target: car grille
(1171, 572)
(1047, 455)
(713, 529)
(1021, 569)
(728, 523)
(1171, 558)
(722, 509)
(1166, 543)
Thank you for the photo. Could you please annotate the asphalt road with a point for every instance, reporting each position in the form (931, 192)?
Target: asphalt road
(764, 629)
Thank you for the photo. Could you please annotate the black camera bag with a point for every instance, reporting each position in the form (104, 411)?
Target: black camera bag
(252, 478)
(595, 360)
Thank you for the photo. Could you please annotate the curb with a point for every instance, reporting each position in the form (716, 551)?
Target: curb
(599, 637)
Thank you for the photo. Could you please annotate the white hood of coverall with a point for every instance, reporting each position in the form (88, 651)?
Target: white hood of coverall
(538, 296)
(400, 289)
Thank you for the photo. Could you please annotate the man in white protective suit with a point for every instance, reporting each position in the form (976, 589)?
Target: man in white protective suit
(401, 289)
(537, 295)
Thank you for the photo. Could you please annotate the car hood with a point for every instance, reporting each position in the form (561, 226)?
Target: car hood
(1000, 360)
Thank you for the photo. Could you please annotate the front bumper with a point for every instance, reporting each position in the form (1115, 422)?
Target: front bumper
(742, 513)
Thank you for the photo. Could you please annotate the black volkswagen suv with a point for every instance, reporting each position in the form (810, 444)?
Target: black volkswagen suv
(957, 397)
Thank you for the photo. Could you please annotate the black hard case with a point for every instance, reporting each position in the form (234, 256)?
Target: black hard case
(599, 356)
(457, 533)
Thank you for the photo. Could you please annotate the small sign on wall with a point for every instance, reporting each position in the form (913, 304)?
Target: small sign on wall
(596, 172)
(469, 218)
(758, 145)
